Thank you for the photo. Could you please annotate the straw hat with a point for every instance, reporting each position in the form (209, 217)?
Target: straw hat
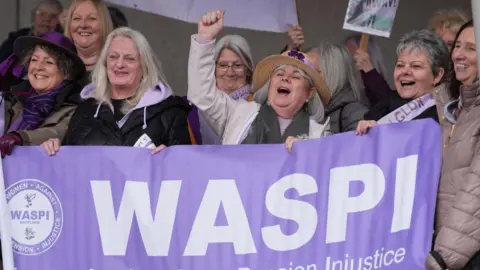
(264, 70)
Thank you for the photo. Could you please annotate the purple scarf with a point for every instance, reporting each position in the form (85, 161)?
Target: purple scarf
(36, 107)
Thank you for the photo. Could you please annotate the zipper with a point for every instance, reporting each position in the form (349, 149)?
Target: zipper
(449, 137)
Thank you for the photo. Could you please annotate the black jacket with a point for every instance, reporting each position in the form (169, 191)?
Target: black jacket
(6, 49)
(164, 122)
(393, 102)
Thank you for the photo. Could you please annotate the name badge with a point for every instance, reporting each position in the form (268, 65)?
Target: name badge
(145, 142)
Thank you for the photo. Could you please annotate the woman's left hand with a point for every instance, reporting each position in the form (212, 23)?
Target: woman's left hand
(158, 149)
(289, 143)
(8, 141)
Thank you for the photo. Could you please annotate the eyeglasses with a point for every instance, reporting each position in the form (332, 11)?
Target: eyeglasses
(236, 67)
(46, 15)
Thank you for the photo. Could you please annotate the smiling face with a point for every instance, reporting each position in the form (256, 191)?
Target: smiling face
(413, 75)
(43, 72)
(289, 90)
(230, 72)
(85, 27)
(464, 57)
(124, 68)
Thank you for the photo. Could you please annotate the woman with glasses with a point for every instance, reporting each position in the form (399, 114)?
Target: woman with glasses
(233, 76)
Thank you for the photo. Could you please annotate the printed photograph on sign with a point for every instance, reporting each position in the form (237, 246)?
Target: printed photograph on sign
(373, 17)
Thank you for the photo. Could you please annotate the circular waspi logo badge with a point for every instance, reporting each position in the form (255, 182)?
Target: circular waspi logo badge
(36, 215)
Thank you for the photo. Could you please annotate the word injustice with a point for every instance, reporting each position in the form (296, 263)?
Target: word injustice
(378, 260)
(222, 195)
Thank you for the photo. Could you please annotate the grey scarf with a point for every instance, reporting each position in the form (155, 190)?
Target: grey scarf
(265, 128)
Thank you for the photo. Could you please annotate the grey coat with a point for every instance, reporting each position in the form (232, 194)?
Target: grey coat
(345, 111)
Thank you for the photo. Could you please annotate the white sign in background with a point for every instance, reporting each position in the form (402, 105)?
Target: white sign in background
(262, 15)
(374, 17)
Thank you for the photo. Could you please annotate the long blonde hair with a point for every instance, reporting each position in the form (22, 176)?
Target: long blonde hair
(152, 72)
(106, 23)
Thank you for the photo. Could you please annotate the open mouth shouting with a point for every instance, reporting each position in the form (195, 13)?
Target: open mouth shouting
(283, 91)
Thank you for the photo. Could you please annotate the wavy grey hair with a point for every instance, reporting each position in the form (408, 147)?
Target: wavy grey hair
(315, 107)
(432, 45)
(374, 51)
(152, 72)
(338, 68)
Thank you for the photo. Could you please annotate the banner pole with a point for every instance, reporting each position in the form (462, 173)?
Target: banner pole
(5, 226)
(364, 42)
(476, 27)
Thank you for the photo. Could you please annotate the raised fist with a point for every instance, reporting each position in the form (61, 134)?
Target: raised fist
(295, 37)
(211, 24)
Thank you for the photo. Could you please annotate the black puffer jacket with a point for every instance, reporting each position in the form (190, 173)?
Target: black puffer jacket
(345, 111)
(162, 117)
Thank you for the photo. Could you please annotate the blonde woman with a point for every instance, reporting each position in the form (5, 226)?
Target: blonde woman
(446, 23)
(88, 25)
(129, 102)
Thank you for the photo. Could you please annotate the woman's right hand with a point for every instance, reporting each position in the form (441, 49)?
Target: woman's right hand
(211, 24)
(364, 125)
(51, 146)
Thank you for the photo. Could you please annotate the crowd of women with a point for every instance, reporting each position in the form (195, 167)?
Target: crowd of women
(81, 80)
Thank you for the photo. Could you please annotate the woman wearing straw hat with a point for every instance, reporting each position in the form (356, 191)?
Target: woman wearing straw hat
(289, 94)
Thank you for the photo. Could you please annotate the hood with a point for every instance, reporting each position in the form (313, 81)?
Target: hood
(339, 100)
(151, 97)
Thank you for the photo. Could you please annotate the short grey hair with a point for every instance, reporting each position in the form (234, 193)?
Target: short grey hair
(435, 49)
(338, 68)
(152, 72)
(315, 107)
(374, 51)
(57, 4)
(64, 62)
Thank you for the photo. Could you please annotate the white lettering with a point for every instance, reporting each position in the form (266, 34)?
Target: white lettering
(301, 212)
(114, 231)
(339, 202)
(405, 182)
(204, 231)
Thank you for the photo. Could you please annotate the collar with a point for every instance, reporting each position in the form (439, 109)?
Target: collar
(241, 93)
(470, 95)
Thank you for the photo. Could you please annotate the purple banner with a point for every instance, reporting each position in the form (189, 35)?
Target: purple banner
(339, 203)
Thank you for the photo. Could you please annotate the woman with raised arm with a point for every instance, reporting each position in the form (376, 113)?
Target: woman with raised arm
(289, 94)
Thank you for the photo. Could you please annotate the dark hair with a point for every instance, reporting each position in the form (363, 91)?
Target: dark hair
(64, 63)
(118, 18)
(454, 83)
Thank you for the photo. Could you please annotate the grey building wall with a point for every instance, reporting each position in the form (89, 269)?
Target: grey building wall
(321, 20)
